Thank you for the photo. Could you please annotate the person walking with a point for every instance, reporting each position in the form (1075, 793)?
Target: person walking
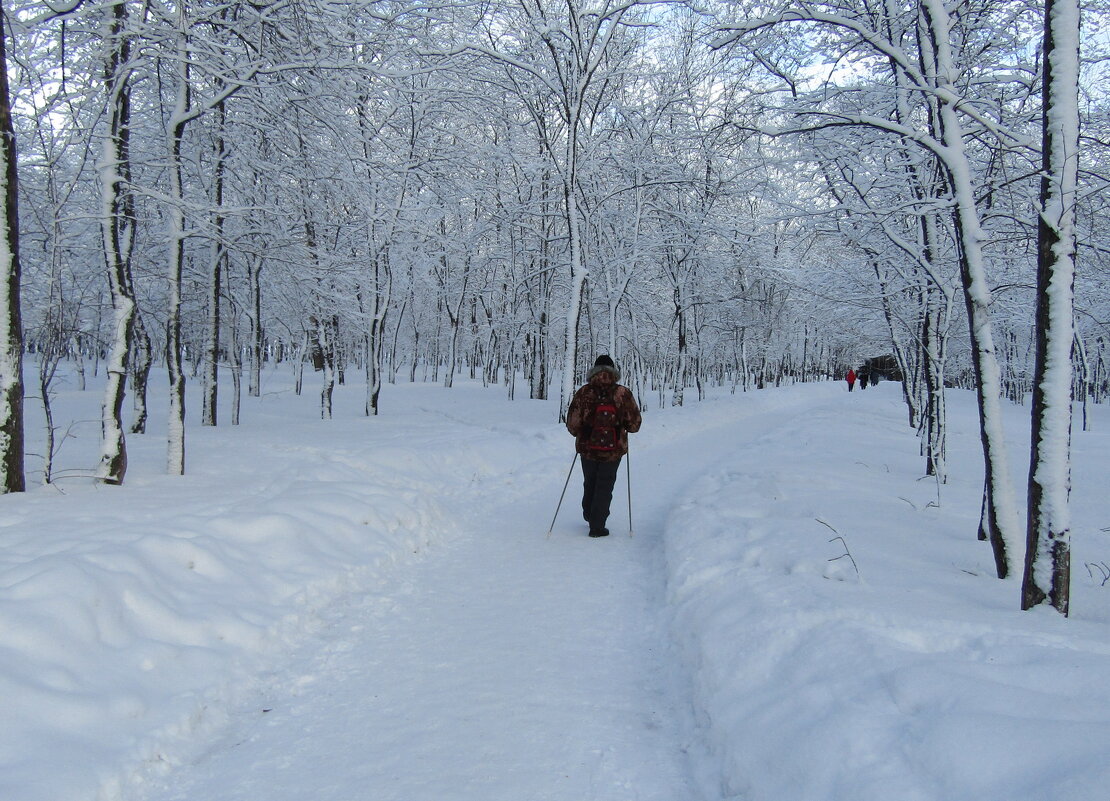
(601, 416)
(851, 379)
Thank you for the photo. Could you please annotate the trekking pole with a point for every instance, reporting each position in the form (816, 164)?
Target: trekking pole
(628, 475)
(564, 492)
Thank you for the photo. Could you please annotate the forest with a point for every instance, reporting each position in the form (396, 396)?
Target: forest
(719, 193)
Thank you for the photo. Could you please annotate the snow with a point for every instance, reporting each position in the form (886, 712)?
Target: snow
(368, 607)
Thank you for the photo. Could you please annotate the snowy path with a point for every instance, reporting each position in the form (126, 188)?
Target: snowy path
(504, 666)
(490, 671)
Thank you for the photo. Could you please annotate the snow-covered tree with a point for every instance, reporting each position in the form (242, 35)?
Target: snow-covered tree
(573, 53)
(1048, 547)
(11, 328)
(118, 224)
(948, 126)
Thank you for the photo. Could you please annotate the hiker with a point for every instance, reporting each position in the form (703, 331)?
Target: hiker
(851, 379)
(601, 416)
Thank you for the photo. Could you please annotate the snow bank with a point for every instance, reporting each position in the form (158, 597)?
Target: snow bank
(847, 639)
(132, 617)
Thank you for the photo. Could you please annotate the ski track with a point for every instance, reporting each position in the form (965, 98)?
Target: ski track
(506, 665)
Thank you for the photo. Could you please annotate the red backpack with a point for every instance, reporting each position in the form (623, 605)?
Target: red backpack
(603, 436)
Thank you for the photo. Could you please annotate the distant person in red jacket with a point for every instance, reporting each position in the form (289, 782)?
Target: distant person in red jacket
(851, 379)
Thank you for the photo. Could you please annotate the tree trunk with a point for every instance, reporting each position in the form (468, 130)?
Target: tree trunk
(326, 333)
(577, 278)
(210, 393)
(375, 313)
(142, 361)
(678, 397)
(540, 300)
(377, 332)
(393, 343)
(175, 449)
(1082, 377)
(1048, 543)
(235, 357)
(11, 327)
(1000, 519)
(298, 365)
(254, 273)
(932, 353)
(118, 224)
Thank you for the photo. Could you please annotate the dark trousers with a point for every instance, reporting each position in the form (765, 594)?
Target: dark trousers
(598, 479)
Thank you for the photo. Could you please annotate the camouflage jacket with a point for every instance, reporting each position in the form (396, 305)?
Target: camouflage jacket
(582, 406)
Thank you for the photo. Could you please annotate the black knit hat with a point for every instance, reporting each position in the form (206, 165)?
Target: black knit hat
(604, 362)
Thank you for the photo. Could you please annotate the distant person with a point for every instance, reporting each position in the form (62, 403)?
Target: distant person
(601, 416)
(864, 375)
(851, 379)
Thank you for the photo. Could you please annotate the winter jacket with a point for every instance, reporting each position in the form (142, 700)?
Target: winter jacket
(582, 406)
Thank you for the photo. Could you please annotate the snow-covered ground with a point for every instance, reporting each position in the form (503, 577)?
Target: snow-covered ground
(371, 609)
